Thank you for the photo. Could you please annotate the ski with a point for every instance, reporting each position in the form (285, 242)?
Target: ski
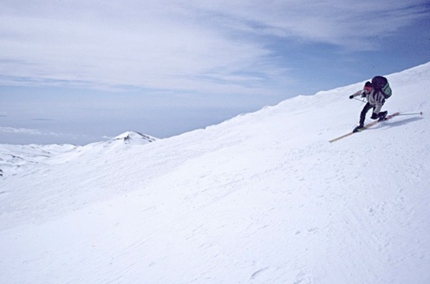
(365, 127)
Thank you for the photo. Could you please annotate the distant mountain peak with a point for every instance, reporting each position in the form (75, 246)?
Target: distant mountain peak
(132, 137)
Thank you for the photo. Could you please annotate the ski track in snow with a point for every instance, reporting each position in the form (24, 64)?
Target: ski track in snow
(261, 198)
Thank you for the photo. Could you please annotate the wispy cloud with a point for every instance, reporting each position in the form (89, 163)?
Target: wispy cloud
(345, 23)
(22, 135)
(206, 46)
(27, 131)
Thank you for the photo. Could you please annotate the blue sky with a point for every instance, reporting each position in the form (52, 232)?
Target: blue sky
(78, 71)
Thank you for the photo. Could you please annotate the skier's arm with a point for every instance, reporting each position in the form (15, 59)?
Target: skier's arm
(356, 94)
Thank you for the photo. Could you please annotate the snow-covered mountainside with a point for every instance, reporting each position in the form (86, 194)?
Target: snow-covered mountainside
(18, 158)
(261, 198)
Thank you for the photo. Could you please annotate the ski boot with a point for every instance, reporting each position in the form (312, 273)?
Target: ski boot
(382, 115)
(358, 128)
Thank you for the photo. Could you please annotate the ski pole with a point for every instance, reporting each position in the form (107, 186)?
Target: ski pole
(359, 100)
(412, 113)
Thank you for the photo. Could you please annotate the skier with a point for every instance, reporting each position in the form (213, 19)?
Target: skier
(375, 100)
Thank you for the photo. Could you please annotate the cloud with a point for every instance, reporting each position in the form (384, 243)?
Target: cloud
(147, 50)
(26, 131)
(340, 22)
(204, 46)
(21, 135)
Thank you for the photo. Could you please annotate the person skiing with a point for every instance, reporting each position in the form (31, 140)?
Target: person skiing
(375, 100)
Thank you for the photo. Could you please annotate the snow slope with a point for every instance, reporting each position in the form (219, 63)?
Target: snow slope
(261, 198)
(16, 158)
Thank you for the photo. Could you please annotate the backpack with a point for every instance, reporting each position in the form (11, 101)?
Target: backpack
(381, 84)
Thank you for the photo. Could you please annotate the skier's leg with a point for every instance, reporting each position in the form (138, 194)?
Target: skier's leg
(363, 113)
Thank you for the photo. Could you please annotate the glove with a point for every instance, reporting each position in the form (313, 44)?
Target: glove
(363, 95)
(351, 96)
(374, 116)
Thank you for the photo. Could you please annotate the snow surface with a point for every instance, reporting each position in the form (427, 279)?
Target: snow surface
(261, 198)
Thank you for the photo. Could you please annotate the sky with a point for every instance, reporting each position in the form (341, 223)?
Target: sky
(81, 71)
